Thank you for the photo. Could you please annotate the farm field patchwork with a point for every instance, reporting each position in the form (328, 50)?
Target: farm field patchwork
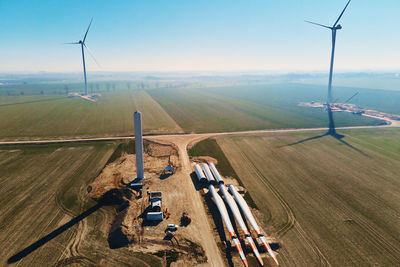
(43, 188)
(228, 109)
(38, 117)
(287, 96)
(325, 201)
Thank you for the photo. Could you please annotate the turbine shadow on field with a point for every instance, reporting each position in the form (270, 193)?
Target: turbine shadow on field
(112, 197)
(26, 251)
(352, 147)
(335, 135)
(305, 140)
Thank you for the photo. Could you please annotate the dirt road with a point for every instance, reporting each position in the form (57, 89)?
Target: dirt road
(200, 226)
(192, 136)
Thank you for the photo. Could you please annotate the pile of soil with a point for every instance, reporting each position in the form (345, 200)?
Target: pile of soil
(204, 159)
(110, 188)
(155, 149)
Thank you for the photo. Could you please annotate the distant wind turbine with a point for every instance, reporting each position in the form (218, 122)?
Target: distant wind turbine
(83, 46)
(334, 28)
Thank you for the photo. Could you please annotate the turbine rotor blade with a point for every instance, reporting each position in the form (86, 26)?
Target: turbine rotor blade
(318, 24)
(84, 38)
(91, 54)
(341, 14)
(72, 43)
(350, 98)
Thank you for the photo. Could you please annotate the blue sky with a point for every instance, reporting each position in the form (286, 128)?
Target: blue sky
(171, 35)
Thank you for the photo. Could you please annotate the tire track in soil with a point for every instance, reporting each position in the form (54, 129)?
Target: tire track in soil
(291, 218)
(76, 236)
(379, 239)
(82, 225)
(83, 261)
(69, 250)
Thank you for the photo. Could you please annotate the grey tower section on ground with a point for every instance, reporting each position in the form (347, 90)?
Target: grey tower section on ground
(137, 117)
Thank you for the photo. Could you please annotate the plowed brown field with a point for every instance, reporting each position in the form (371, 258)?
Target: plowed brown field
(327, 202)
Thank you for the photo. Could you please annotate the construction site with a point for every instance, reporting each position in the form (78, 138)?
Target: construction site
(356, 110)
(162, 210)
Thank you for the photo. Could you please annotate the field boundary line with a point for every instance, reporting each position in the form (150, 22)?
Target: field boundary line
(150, 136)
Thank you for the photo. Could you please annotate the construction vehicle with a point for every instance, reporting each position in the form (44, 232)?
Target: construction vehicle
(172, 227)
(169, 170)
(185, 219)
(155, 200)
(169, 235)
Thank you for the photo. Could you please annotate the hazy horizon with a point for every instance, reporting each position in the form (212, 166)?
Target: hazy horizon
(210, 72)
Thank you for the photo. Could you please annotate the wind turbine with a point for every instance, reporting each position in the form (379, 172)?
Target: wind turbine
(83, 46)
(334, 28)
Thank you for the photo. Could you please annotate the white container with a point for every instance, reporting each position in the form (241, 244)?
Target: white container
(154, 216)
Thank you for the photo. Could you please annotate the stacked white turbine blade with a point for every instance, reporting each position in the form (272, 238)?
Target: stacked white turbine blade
(200, 174)
(222, 210)
(235, 210)
(216, 174)
(246, 210)
(225, 217)
(208, 174)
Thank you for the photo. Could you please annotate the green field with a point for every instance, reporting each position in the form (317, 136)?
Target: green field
(174, 109)
(35, 117)
(326, 202)
(286, 96)
(246, 108)
(42, 189)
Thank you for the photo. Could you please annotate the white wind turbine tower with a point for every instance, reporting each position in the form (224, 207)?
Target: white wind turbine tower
(334, 28)
(83, 46)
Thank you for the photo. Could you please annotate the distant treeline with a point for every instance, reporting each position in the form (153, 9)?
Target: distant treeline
(60, 88)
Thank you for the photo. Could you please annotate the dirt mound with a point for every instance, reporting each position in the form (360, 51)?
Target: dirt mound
(118, 236)
(186, 253)
(123, 231)
(204, 159)
(155, 149)
(231, 180)
(115, 196)
(123, 171)
(110, 188)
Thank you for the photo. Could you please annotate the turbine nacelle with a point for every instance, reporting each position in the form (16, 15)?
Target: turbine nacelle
(338, 27)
